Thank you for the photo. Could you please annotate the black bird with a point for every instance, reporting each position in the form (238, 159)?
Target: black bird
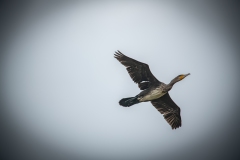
(153, 90)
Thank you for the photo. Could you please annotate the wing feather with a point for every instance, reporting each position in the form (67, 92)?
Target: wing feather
(138, 71)
(171, 112)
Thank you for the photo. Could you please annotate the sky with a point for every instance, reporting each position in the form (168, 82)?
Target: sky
(61, 84)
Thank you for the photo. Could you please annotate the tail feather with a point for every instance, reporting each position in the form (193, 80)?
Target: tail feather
(127, 102)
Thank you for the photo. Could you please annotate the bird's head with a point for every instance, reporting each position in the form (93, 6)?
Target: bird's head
(179, 78)
(182, 76)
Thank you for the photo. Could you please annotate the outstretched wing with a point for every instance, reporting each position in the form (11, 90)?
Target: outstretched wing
(170, 111)
(138, 71)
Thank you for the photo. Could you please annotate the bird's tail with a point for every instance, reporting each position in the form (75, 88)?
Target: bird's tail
(127, 102)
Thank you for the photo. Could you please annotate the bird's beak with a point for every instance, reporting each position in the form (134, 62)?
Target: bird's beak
(187, 74)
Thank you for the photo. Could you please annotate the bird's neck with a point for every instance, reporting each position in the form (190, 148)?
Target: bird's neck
(172, 82)
(170, 85)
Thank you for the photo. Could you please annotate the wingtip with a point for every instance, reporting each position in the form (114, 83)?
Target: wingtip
(175, 127)
(118, 54)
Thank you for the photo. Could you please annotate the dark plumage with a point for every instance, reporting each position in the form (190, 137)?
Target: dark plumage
(153, 90)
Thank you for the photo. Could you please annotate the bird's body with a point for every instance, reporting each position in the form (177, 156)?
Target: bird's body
(151, 93)
(153, 90)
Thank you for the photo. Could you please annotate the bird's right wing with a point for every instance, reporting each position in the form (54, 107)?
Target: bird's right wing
(170, 111)
(138, 71)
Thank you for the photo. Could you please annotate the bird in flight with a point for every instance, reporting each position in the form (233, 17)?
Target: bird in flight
(153, 90)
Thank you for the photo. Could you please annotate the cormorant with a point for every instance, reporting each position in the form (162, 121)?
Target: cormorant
(153, 90)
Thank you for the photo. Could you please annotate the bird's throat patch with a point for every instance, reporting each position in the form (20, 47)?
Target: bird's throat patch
(181, 77)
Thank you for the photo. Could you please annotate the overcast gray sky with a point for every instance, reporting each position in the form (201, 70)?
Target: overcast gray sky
(62, 84)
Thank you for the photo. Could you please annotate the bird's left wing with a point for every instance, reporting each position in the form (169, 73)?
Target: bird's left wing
(138, 71)
(170, 111)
